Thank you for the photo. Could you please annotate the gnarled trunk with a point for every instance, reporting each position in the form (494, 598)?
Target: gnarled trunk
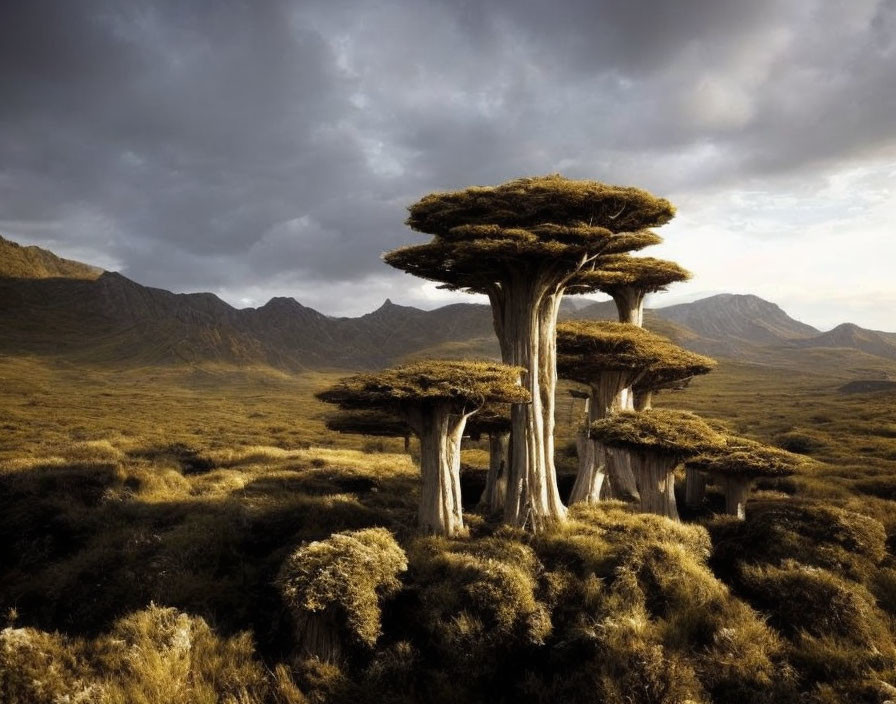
(525, 314)
(440, 433)
(737, 490)
(656, 483)
(694, 487)
(492, 499)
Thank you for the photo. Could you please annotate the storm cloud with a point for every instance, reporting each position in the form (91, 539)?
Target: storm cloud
(270, 148)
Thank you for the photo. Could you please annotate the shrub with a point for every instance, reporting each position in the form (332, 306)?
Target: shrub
(342, 579)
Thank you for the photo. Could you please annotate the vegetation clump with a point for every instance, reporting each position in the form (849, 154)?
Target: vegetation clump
(333, 589)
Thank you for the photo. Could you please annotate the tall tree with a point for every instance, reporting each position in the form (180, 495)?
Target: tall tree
(434, 399)
(521, 243)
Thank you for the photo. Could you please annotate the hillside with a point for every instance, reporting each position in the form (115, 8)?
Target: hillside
(36, 263)
(59, 308)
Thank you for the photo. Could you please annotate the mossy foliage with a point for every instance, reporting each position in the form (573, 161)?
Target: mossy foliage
(676, 433)
(748, 458)
(544, 199)
(586, 348)
(466, 384)
(348, 573)
(644, 273)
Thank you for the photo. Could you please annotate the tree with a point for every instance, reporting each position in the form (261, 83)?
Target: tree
(628, 280)
(608, 358)
(370, 422)
(521, 243)
(434, 399)
(658, 442)
(738, 462)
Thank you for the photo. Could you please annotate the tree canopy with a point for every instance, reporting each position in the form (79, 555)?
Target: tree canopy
(587, 348)
(524, 202)
(676, 367)
(622, 271)
(662, 432)
(461, 383)
(748, 458)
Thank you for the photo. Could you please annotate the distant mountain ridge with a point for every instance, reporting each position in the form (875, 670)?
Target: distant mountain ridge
(52, 306)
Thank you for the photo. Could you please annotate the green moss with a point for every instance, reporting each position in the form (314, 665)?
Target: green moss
(348, 573)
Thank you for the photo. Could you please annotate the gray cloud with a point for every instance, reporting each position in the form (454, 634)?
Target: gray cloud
(262, 148)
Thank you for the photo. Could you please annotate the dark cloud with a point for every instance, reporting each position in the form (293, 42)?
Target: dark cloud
(261, 148)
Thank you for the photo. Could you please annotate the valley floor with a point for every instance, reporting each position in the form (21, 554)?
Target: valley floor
(139, 504)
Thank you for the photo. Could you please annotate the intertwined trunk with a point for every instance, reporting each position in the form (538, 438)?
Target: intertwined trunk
(656, 482)
(440, 431)
(694, 487)
(525, 314)
(737, 490)
(492, 499)
(594, 460)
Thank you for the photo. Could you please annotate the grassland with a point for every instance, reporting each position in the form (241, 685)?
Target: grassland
(145, 514)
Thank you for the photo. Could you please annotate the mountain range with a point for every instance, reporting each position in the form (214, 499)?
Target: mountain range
(57, 307)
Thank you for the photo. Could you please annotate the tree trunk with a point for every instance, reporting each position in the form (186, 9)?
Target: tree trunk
(629, 305)
(318, 636)
(643, 400)
(440, 433)
(525, 315)
(656, 483)
(695, 487)
(492, 499)
(407, 444)
(594, 461)
(737, 490)
(622, 476)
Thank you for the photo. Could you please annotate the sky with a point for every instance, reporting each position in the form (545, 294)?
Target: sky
(262, 148)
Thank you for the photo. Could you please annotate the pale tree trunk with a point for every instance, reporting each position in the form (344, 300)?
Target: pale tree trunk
(695, 487)
(594, 461)
(525, 315)
(317, 634)
(492, 499)
(440, 433)
(629, 305)
(656, 483)
(737, 490)
(642, 400)
(623, 485)
(630, 309)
